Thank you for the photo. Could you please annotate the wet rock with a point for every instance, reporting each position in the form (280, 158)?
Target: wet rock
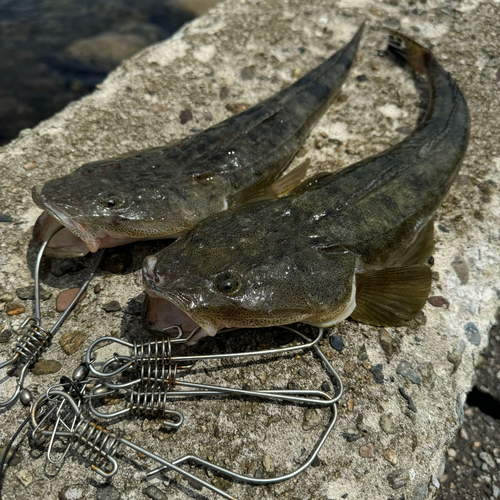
(387, 425)
(472, 333)
(428, 375)
(28, 293)
(65, 298)
(73, 492)
(24, 477)
(112, 306)
(5, 336)
(248, 73)
(461, 269)
(407, 371)
(6, 297)
(398, 479)
(420, 492)
(14, 309)
(311, 419)
(46, 366)
(386, 343)
(455, 358)
(336, 342)
(6, 218)
(376, 371)
(367, 451)
(154, 493)
(107, 492)
(438, 301)
(390, 455)
(408, 398)
(237, 107)
(72, 341)
(185, 116)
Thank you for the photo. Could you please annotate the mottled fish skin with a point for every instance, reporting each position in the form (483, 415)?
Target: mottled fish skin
(352, 242)
(164, 191)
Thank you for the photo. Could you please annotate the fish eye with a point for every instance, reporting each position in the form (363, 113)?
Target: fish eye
(227, 283)
(111, 200)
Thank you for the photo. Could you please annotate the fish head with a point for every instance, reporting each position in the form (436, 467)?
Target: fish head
(110, 203)
(232, 272)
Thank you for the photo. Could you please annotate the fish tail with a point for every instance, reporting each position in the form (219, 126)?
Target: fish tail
(409, 51)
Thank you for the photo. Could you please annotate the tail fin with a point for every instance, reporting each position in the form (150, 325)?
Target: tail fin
(406, 49)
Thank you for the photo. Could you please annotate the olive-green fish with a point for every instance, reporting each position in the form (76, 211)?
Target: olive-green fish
(162, 192)
(351, 243)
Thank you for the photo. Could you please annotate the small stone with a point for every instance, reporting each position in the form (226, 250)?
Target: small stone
(65, 298)
(496, 491)
(406, 370)
(363, 354)
(325, 386)
(107, 492)
(46, 366)
(73, 492)
(6, 297)
(428, 374)
(420, 492)
(25, 477)
(386, 342)
(464, 434)
(336, 342)
(361, 78)
(476, 445)
(376, 371)
(392, 22)
(311, 419)
(398, 479)
(461, 269)
(452, 453)
(387, 425)
(5, 336)
(349, 368)
(488, 459)
(438, 301)
(185, 116)
(6, 218)
(97, 289)
(296, 72)
(28, 293)
(390, 456)
(224, 93)
(435, 275)
(237, 107)
(112, 306)
(268, 464)
(224, 484)
(409, 400)
(31, 165)
(154, 492)
(421, 318)
(350, 438)
(72, 341)
(472, 333)
(367, 451)
(14, 309)
(455, 358)
(248, 73)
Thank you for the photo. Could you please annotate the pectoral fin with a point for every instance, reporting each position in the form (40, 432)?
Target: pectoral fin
(421, 248)
(281, 186)
(391, 296)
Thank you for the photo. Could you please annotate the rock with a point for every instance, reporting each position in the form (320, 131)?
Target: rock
(6, 218)
(268, 464)
(438, 301)
(420, 492)
(386, 343)
(362, 354)
(225, 485)
(350, 368)
(472, 333)
(73, 492)
(421, 318)
(311, 419)
(350, 438)
(406, 370)
(24, 477)
(409, 400)
(72, 341)
(28, 293)
(107, 492)
(237, 107)
(336, 342)
(248, 73)
(46, 366)
(488, 459)
(362, 78)
(14, 309)
(112, 306)
(65, 298)
(428, 375)
(97, 288)
(455, 358)
(461, 269)
(390, 455)
(30, 166)
(154, 493)
(376, 371)
(367, 451)
(398, 479)
(6, 297)
(387, 425)
(185, 116)
(392, 22)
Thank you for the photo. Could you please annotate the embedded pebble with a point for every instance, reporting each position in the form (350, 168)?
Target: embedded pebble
(376, 371)
(97, 288)
(107, 492)
(455, 358)
(73, 492)
(350, 438)
(336, 342)
(237, 107)
(5, 336)
(31, 165)
(496, 491)
(6, 218)
(28, 293)
(392, 22)
(390, 456)
(428, 374)
(72, 341)
(361, 78)
(362, 354)
(247, 73)
(420, 492)
(154, 493)
(349, 368)
(65, 298)
(367, 451)
(387, 425)
(268, 464)
(461, 269)
(452, 453)
(487, 459)
(398, 479)
(46, 366)
(224, 484)
(472, 333)
(185, 116)
(24, 477)
(112, 306)
(407, 371)
(438, 301)
(311, 419)
(421, 318)
(6, 297)
(409, 400)
(14, 309)
(386, 342)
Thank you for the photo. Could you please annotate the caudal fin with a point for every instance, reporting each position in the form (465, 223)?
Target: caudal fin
(406, 49)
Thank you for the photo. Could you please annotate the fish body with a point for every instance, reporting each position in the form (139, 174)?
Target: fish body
(162, 192)
(351, 243)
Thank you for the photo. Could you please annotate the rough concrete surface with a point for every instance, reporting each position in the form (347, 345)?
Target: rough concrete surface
(405, 387)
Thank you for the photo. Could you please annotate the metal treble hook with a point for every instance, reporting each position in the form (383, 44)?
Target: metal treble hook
(36, 339)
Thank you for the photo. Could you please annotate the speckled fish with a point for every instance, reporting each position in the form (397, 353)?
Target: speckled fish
(162, 192)
(351, 243)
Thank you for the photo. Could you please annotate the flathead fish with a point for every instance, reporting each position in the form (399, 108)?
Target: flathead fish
(164, 191)
(351, 243)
